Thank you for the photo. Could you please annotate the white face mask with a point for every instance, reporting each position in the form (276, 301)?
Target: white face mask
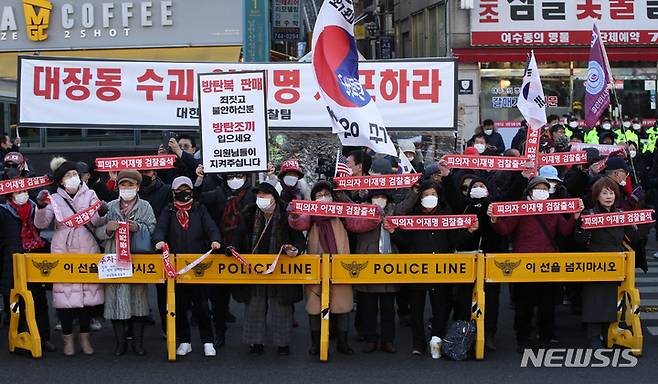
(606, 126)
(551, 189)
(632, 153)
(263, 203)
(410, 157)
(488, 132)
(72, 183)
(540, 194)
(380, 202)
(290, 180)
(127, 194)
(637, 126)
(325, 199)
(479, 192)
(429, 202)
(235, 183)
(626, 124)
(622, 183)
(479, 147)
(21, 198)
(573, 124)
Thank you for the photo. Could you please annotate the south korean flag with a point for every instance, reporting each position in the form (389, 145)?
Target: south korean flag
(532, 102)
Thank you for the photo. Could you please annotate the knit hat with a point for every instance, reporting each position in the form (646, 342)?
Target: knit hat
(60, 166)
(180, 181)
(267, 188)
(536, 181)
(431, 168)
(381, 167)
(320, 185)
(15, 157)
(131, 175)
(593, 155)
(83, 167)
(406, 146)
(615, 163)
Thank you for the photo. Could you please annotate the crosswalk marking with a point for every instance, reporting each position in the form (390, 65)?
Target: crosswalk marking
(649, 316)
(646, 279)
(648, 289)
(649, 302)
(653, 330)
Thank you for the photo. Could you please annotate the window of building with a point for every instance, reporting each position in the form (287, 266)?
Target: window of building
(437, 31)
(418, 35)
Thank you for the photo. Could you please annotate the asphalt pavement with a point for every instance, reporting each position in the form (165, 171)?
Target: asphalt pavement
(233, 365)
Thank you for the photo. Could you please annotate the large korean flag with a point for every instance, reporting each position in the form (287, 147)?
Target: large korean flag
(532, 102)
(354, 115)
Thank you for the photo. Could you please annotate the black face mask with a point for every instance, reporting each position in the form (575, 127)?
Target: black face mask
(146, 181)
(12, 173)
(183, 196)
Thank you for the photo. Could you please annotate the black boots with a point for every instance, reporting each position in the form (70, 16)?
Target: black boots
(138, 334)
(314, 325)
(342, 325)
(119, 327)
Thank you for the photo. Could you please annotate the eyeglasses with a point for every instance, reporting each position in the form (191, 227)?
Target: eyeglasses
(186, 146)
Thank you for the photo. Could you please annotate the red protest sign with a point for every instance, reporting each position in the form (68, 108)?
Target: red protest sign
(77, 219)
(563, 158)
(532, 145)
(15, 185)
(347, 210)
(376, 182)
(123, 245)
(107, 164)
(434, 222)
(488, 163)
(617, 219)
(604, 149)
(168, 267)
(531, 207)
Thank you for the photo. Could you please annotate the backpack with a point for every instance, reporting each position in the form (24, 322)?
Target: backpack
(459, 340)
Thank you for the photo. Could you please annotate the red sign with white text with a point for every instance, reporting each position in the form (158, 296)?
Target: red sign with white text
(15, 185)
(347, 210)
(356, 183)
(530, 207)
(108, 164)
(122, 236)
(435, 222)
(488, 163)
(617, 219)
(562, 158)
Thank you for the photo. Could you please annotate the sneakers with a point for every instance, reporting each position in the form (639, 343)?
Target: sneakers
(417, 352)
(58, 326)
(95, 325)
(209, 350)
(184, 349)
(655, 255)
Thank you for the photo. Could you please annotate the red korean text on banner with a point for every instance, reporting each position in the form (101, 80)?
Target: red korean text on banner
(617, 219)
(529, 208)
(347, 210)
(376, 182)
(107, 164)
(166, 260)
(15, 185)
(78, 219)
(435, 222)
(489, 163)
(563, 158)
(122, 236)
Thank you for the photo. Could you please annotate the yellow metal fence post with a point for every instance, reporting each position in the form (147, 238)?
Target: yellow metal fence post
(627, 330)
(478, 306)
(324, 324)
(171, 319)
(29, 340)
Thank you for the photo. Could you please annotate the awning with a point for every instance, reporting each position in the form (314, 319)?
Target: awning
(8, 60)
(477, 55)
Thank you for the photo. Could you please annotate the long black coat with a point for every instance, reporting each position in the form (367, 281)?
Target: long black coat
(158, 194)
(600, 299)
(196, 239)
(216, 200)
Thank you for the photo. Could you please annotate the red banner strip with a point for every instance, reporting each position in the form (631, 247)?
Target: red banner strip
(15, 185)
(122, 236)
(436, 222)
(532, 146)
(270, 269)
(77, 219)
(617, 219)
(107, 164)
(488, 163)
(168, 267)
(376, 182)
(347, 210)
(528, 208)
(604, 149)
(563, 158)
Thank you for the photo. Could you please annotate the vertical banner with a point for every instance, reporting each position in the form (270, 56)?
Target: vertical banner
(233, 119)
(256, 45)
(123, 246)
(597, 94)
(285, 20)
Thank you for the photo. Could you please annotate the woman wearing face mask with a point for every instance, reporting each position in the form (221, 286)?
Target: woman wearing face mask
(127, 304)
(291, 182)
(71, 300)
(377, 298)
(534, 234)
(225, 204)
(19, 235)
(328, 235)
(431, 241)
(186, 226)
(264, 229)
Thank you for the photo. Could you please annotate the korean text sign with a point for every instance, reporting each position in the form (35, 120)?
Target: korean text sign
(233, 121)
(123, 94)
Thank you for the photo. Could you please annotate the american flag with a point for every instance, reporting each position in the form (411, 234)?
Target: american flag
(342, 170)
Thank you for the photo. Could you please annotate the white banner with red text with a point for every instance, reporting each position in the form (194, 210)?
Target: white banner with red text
(617, 219)
(111, 164)
(356, 183)
(346, 210)
(530, 207)
(122, 94)
(434, 222)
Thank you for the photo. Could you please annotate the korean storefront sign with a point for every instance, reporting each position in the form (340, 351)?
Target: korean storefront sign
(412, 95)
(563, 22)
(233, 121)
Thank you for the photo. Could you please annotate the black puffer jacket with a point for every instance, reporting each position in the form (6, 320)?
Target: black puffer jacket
(196, 239)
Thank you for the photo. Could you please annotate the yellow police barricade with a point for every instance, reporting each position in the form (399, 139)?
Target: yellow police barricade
(417, 269)
(579, 267)
(220, 269)
(63, 268)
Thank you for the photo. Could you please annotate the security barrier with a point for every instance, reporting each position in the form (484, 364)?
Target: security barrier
(580, 267)
(459, 268)
(418, 268)
(68, 268)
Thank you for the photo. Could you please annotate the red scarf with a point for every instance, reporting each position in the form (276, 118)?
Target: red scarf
(231, 216)
(183, 214)
(30, 238)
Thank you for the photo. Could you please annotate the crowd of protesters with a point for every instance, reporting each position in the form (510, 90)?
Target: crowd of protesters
(193, 212)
